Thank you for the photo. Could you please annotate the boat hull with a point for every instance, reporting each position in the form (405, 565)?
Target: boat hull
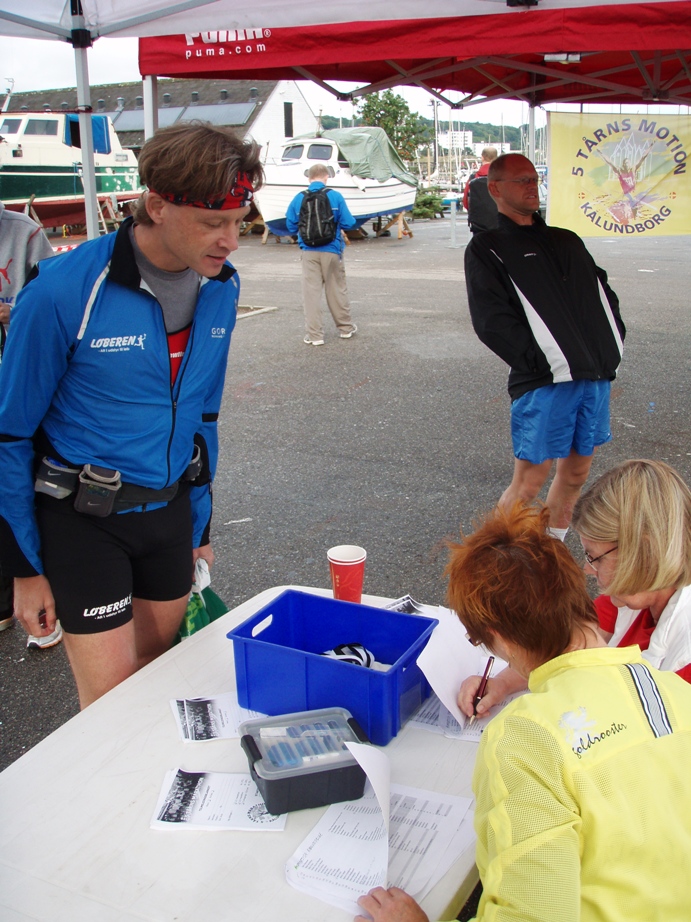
(40, 165)
(369, 200)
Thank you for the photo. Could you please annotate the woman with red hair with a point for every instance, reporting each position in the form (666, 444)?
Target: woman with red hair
(583, 807)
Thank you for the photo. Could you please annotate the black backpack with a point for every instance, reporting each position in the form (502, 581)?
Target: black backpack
(316, 222)
(482, 209)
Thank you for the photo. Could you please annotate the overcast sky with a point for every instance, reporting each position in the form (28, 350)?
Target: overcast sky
(43, 65)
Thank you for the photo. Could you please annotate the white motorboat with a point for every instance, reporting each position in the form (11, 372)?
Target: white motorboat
(41, 165)
(362, 164)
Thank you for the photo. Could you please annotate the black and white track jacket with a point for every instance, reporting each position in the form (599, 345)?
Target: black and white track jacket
(540, 303)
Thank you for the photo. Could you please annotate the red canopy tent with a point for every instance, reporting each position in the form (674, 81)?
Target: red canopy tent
(611, 53)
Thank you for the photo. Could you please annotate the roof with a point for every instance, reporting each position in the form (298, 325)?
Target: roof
(617, 53)
(235, 103)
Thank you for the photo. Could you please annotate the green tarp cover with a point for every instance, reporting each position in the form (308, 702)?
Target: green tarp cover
(370, 154)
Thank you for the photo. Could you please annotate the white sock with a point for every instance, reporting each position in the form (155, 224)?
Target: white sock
(559, 533)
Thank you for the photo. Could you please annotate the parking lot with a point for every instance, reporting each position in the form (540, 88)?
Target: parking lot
(392, 440)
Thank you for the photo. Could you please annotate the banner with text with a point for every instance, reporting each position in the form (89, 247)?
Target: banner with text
(620, 175)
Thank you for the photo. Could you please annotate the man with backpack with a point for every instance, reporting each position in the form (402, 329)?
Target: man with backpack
(317, 216)
(478, 203)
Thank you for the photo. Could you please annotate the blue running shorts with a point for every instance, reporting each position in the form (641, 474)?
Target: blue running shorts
(554, 420)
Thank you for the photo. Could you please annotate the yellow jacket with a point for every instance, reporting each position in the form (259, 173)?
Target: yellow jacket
(583, 795)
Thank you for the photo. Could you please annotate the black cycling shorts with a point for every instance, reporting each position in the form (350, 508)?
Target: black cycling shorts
(95, 566)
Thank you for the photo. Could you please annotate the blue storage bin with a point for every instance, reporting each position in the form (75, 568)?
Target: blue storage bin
(279, 670)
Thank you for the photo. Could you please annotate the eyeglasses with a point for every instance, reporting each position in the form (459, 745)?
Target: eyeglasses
(593, 560)
(525, 181)
(471, 640)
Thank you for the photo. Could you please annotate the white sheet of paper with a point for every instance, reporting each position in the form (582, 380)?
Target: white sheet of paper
(449, 658)
(342, 858)
(377, 767)
(212, 800)
(209, 718)
(433, 716)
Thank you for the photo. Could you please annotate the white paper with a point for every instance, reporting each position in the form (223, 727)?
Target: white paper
(449, 658)
(395, 836)
(432, 715)
(210, 718)
(338, 862)
(212, 800)
(408, 606)
(377, 767)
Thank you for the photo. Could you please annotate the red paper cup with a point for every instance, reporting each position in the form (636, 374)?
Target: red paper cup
(347, 563)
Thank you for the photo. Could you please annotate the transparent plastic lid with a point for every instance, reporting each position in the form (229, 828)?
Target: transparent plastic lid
(295, 744)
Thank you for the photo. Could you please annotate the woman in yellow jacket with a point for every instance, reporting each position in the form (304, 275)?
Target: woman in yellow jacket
(583, 802)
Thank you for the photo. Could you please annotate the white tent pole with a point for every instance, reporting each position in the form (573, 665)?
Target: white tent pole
(150, 106)
(531, 133)
(87, 142)
(81, 41)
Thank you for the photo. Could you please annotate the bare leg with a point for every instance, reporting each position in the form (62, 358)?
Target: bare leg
(101, 661)
(528, 480)
(572, 472)
(155, 626)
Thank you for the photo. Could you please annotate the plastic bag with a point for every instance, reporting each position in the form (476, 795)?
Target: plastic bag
(204, 606)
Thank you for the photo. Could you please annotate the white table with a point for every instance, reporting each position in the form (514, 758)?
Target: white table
(75, 842)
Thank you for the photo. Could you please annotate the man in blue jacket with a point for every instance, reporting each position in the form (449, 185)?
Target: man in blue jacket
(322, 266)
(110, 389)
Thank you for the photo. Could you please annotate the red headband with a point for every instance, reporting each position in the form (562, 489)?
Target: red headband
(240, 195)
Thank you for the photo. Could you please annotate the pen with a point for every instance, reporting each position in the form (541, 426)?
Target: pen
(483, 687)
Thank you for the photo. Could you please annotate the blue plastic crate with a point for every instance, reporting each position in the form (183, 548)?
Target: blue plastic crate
(279, 670)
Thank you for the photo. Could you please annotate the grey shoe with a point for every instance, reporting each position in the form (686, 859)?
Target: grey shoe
(308, 341)
(42, 643)
(348, 335)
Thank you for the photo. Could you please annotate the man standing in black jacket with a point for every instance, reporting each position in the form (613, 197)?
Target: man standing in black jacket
(540, 303)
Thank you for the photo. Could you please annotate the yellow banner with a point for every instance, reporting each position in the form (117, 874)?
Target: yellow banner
(620, 175)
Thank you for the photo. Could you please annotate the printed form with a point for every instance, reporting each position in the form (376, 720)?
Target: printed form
(393, 836)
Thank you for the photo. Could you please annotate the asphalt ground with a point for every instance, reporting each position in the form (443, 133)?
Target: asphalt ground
(393, 440)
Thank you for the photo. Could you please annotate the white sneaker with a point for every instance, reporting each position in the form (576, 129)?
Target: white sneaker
(348, 335)
(42, 643)
(312, 342)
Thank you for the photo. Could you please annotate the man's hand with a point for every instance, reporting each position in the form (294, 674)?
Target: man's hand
(392, 905)
(206, 552)
(506, 683)
(4, 313)
(34, 605)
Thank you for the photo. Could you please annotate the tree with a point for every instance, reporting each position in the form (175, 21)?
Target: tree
(390, 111)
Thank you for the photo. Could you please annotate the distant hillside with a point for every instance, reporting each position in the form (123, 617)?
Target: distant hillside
(482, 131)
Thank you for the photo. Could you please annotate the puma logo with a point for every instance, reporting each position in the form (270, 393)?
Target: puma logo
(4, 274)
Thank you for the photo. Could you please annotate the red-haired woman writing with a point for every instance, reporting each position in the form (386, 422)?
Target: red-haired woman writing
(583, 807)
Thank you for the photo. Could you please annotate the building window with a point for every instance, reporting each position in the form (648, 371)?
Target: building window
(288, 119)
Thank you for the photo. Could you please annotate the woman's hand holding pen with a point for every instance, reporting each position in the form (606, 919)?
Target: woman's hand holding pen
(505, 683)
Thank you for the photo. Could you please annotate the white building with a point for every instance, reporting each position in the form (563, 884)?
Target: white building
(500, 148)
(456, 140)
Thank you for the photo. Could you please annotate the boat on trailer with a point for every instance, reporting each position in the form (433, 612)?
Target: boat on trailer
(362, 165)
(41, 166)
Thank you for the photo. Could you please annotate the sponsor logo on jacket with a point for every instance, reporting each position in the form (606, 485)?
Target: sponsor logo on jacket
(118, 343)
(576, 727)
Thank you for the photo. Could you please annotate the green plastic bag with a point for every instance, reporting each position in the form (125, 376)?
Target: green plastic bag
(203, 607)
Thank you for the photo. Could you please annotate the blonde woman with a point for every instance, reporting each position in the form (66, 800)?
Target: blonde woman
(635, 526)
